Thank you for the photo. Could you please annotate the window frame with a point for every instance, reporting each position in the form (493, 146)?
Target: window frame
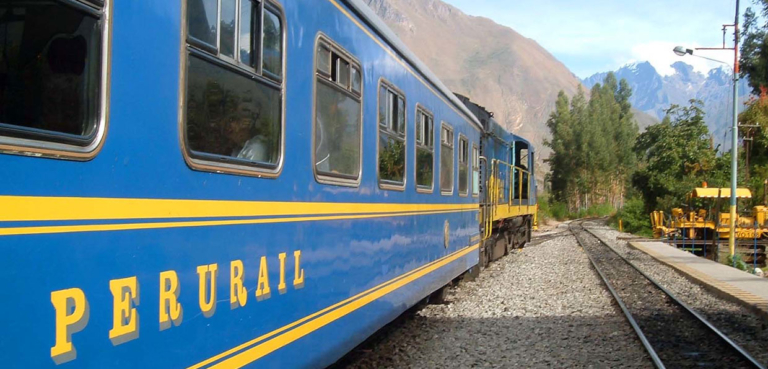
(464, 139)
(447, 126)
(40, 146)
(383, 183)
(334, 47)
(423, 110)
(207, 162)
(475, 190)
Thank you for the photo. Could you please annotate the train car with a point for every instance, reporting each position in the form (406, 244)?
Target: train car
(508, 208)
(221, 183)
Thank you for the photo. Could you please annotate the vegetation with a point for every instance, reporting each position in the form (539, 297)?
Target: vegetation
(675, 156)
(754, 66)
(634, 218)
(549, 209)
(591, 144)
(598, 158)
(754, 47)
(736, 261)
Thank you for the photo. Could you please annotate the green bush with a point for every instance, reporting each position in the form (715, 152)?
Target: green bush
(737, 262)
(551, 210)
(558, 210)
(634, 218)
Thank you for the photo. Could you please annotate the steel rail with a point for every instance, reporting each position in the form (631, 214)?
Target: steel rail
(669, 294)
(640, 335)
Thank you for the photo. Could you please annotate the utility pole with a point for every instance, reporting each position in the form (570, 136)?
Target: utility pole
(735, 133)
(681, 51)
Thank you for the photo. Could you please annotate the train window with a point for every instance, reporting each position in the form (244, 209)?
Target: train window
(323, 60)
(446, 159)
(201, 22)
(521, 172)
(463, 165)
(246, 33)
(357, 80)
(340, 72)
(391, 137)
(425, 150)
(233, 114)
(383, 105)
(52, 96)
(475, 171)
(338, 118)
(227, 27)
(273, 45)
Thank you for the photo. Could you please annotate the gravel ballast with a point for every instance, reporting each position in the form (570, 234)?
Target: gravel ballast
(541, 306)
(739, 323)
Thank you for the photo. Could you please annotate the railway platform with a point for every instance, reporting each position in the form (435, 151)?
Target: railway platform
(726, 281)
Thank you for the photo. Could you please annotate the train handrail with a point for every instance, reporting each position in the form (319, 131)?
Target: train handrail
(495, 187)
(520, 172)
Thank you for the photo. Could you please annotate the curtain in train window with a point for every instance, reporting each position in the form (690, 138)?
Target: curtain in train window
(446, 159)
(425, 150)
(391, 136)
(50, 71)
(338, 115)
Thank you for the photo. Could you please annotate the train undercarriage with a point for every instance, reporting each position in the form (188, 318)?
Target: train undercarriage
(507, 235)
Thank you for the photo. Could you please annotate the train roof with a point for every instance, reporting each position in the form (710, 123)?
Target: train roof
(373, 20)
(490, 125)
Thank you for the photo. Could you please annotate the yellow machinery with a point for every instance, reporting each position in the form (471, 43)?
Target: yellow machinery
(699, 225)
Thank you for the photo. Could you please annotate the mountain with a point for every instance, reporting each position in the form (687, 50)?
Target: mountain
(654, 93)
(511, 75)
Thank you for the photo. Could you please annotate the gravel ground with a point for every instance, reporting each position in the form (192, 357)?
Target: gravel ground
(543, 306)
(739, 323)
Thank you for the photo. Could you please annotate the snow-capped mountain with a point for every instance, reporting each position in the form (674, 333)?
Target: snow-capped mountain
(654, 93)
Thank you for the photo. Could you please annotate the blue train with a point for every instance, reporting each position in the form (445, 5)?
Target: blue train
(229, 183)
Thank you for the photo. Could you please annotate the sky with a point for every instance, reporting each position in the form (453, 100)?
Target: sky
(591, 36)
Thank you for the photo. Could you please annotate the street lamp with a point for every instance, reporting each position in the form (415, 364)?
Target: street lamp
(681, 51)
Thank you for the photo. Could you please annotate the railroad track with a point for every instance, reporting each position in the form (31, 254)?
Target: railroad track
(549, 236)
(674, 335)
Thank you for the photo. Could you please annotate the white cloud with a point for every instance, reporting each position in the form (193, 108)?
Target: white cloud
(660, 55)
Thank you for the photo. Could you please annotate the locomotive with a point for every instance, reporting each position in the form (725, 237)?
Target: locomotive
(229, 183)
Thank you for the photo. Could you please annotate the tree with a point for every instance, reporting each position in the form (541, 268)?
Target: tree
(591, 145)
(754, 47)
(676, 156)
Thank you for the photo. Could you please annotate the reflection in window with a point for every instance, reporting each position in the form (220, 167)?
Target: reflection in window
(246, 39)
(50, 72)
(463, 166)
(273, 46)
(425, 149)
(323, 60)
(340, 72)
(357, 81)
(202, 16)
(338, 120)
(228, 14)
(446, 159)
(391, 137)
(233, 114)
(229, 116)
(475, 171)
(337, 133)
